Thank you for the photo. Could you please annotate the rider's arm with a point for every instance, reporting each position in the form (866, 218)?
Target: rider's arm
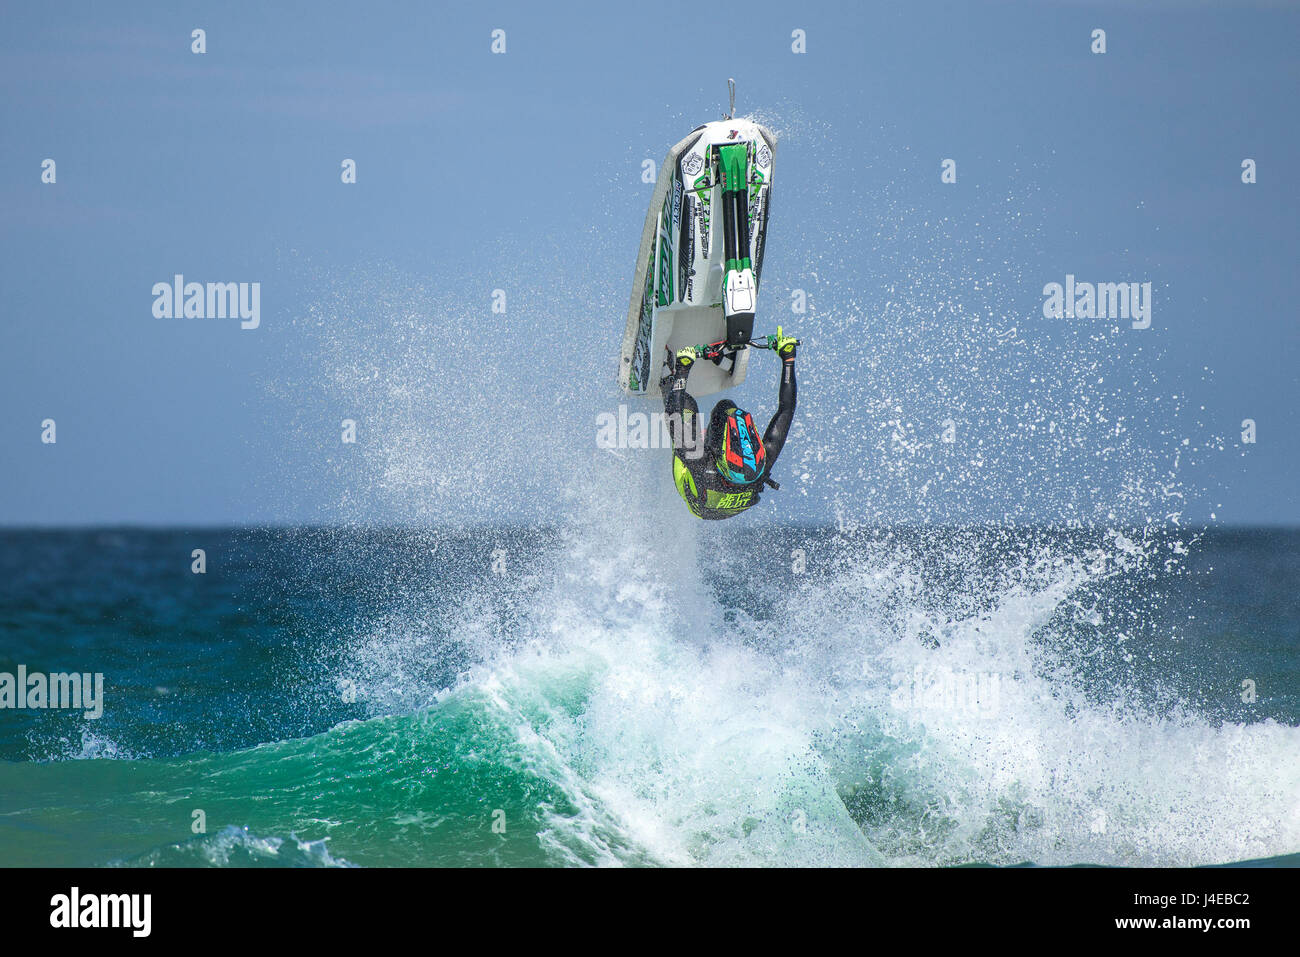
(774, 438)
(683, 424)
(677, 400)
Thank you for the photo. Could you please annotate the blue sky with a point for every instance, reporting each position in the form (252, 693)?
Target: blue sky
(522, 171)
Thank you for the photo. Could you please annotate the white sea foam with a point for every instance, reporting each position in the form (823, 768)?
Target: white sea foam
(684, 731)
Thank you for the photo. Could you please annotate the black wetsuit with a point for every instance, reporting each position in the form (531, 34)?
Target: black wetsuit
(705, 491)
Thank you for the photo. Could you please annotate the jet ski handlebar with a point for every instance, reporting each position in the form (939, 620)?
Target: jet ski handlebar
(716, 350)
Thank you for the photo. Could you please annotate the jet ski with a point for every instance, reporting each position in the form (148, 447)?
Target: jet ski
(701, 257)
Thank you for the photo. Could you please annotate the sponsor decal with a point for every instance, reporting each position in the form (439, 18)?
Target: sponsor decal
(687, 255)
(665, 275)
(665, 271)
(705, 201)
(641, 353)
(764, 156)
(734, 500)
(692, 164)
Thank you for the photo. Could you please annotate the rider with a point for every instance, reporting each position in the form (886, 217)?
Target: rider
(735, 463)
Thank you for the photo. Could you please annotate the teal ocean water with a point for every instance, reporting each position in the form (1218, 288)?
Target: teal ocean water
(627, 694)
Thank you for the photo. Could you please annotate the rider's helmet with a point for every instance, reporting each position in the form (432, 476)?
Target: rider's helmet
(736, 444)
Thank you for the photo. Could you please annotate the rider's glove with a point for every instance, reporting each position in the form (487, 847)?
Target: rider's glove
(785, 345)
(685, 358)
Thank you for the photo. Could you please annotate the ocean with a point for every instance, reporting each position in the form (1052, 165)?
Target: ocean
(666, 693)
